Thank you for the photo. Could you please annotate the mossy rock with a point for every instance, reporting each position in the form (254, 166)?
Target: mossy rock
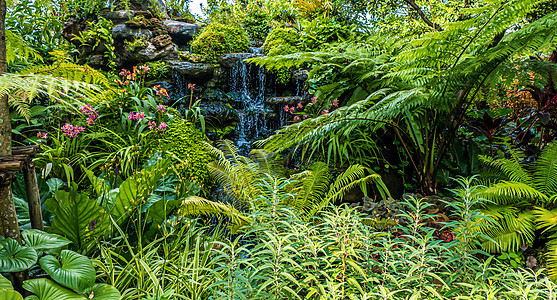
(282, 41)
(217, 39)
(186, 142)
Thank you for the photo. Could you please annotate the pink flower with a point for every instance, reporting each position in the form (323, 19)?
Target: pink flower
(325, 112)
(90, 121)
(296, 118)
(42, 136)
(92, 114)
(191, 86)
(152, 124)
(313, 100)
(161, 108)
(286, 108)
(71, 130)
(304, 117)
(292, 110)
(162, 126)
(300, 106)
(334, 103)
(136, 116)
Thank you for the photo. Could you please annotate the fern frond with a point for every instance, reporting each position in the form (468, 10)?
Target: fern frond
(507, 169)
(551, 256)
(18, 50)
(545, 218)
(511, 192)
(313, 187)
(508, 232)
(70, 71)
(545, 169)
(198, 206)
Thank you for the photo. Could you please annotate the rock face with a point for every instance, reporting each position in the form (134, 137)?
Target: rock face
(118, 16)
(123, 32)
(300, 75)
(198, 71)
(181, 32)
(286, 100)
(232, 59)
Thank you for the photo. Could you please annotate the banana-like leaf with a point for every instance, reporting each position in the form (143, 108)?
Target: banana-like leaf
(45, 289)
(78, 218)
(10, 295)
(103, 291)
(73, 270)
(42, 241)
(16, 258)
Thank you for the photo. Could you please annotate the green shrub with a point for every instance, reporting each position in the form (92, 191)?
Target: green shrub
(185, 141)
(218, 39)
(281, 41)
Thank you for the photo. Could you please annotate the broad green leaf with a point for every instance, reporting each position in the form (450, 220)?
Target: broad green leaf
(73, 270)
(78, 218)
(45, 289)
(5, 284)
(10, 295)
(16, 258)
(41, 241)
(103, 291)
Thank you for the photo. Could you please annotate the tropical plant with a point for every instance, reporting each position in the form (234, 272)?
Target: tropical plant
(521, 197)
(429, 84)
(71, 275)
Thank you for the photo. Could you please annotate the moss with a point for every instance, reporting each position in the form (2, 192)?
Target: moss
(217, 39)
(185, 141)
(282, 41)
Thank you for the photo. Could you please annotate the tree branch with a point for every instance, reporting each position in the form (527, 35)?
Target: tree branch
(423, 16)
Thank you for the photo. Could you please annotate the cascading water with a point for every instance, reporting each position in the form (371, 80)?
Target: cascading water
(247, 85)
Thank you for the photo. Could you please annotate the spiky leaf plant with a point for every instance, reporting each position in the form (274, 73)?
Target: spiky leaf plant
(518, 201)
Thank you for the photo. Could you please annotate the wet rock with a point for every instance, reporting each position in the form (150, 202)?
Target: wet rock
(181, 32)
(151, 53)
(97, 61)
(118, 16)
(161, 41)
(71, 29)
(254, 44)
(123, 32)
(300, 75)
(232, 59)
(220, 113)
(256, 50)
(286, 100)
(198, 71)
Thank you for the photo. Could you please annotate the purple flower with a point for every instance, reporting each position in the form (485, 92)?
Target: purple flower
(162, 126)
(71, 130)
(161, 108)
(296, 118)
(152, 124)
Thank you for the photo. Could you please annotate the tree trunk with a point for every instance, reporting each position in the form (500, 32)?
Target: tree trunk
(8, 216)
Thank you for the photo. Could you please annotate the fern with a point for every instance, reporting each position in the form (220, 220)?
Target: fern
(509, 232)
(197, 206)
(545, 169)
(70, 71)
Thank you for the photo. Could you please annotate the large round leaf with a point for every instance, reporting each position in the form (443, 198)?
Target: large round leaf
(45, 289)
(14, 257)
(103, 291)
(10, 295)
(42, 241)
(73, 270)
(5, 284)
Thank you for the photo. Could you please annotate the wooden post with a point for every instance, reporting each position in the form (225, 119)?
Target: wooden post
(31, 185)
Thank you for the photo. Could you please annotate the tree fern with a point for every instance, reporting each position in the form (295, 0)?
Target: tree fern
(21, 89)
(545, 169)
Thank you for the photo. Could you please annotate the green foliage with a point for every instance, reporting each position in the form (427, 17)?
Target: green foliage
(69, 71)
(42, 241)
(281, 41)
(217, 39)
(14, 257)
(184, 141)
(159, 69)
(77, 217)
(71, 269)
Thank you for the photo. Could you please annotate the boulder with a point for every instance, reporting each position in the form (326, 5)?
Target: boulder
(97, 61)
(181, 32)
(232, 59)
(300, 75)
(161, 41)
(286, 100)
(118, 16)
(197, 71)
(123, 32)
(151, 53)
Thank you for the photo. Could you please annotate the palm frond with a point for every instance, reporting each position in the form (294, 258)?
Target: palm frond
(508, 232)
(545, 218)
(507, 169)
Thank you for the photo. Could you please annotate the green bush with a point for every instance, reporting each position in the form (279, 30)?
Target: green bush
(218, 39)
(185, 141)
(281, 41)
